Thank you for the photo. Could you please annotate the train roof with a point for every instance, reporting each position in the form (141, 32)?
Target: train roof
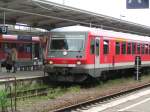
(76, 28)
(102, 32)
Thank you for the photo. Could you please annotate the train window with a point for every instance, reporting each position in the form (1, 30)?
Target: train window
(129, 48)
(7, 47)
(143, 48)
(123, 47)
(138, 48)
(68, 43)
(146, 48)
(133, 48)
(117, 47)
(0, 46)
(58, 44)
(13, 45)
(149, 49)
(27, 48)
(106, 46)
(92, 46)
(20, 48)
(97, 47)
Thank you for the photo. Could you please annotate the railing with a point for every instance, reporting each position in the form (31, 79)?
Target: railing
(11, 91)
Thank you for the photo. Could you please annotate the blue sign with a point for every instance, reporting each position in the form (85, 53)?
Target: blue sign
(3, 29)
(137, 4)
(25, 37)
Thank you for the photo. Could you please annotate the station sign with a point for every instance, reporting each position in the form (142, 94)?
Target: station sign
(137, 4)
(3, 29)
(24, 37)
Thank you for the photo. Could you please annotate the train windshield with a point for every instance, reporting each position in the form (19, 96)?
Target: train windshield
(67, 42)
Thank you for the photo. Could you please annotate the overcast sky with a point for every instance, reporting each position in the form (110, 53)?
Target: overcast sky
(114, 8)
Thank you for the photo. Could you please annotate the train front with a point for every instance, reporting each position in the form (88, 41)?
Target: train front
(66, 56)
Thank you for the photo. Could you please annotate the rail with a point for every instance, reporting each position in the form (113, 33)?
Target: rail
(100, 99)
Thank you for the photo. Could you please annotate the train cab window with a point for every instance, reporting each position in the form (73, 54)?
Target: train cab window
(129, 48)
(138, 48)
(133, 48)
(143, 48)
(123, 47)
(92, 46)
(97, 47)
(106, 46)
(146, 48)
(117, 47)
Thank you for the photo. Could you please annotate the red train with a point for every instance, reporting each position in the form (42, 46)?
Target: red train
(75, 53)
(27, 46)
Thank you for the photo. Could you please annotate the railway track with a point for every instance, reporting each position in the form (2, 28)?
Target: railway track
(31, 93)
(90, 103)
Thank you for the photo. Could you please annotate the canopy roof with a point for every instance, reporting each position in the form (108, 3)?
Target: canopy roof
(48, 15)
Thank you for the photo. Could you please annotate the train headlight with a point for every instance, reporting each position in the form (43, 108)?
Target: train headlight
(65, 53)
(50, 62)
(78, 62)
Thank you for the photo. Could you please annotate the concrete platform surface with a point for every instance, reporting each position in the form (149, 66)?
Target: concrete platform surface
(22, 75)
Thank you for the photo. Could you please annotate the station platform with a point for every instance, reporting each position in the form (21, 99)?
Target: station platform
(21, 76)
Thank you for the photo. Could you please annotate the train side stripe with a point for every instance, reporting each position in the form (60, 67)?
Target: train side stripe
(90, 66)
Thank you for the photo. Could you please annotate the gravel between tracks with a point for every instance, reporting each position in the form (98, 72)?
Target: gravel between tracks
(67, 99)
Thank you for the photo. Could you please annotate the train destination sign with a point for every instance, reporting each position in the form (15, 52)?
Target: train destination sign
(25, 37)
(137, 4)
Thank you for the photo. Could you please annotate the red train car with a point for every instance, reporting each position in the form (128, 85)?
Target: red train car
(27, 46)
(76, 52)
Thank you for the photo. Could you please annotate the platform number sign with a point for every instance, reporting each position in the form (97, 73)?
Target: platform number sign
(3, 29)
(137, 4)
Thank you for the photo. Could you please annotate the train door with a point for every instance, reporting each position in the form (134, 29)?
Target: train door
(97, 58)
(36, 50)
(97, 54)
(106, 56)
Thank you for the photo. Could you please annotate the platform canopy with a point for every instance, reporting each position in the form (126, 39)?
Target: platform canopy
(48, 15)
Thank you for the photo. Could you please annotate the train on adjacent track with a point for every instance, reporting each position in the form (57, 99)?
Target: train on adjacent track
(75, 53)
(26, 45)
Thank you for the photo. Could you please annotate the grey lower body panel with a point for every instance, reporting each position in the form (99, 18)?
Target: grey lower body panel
(79, 71)
(94, 72)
